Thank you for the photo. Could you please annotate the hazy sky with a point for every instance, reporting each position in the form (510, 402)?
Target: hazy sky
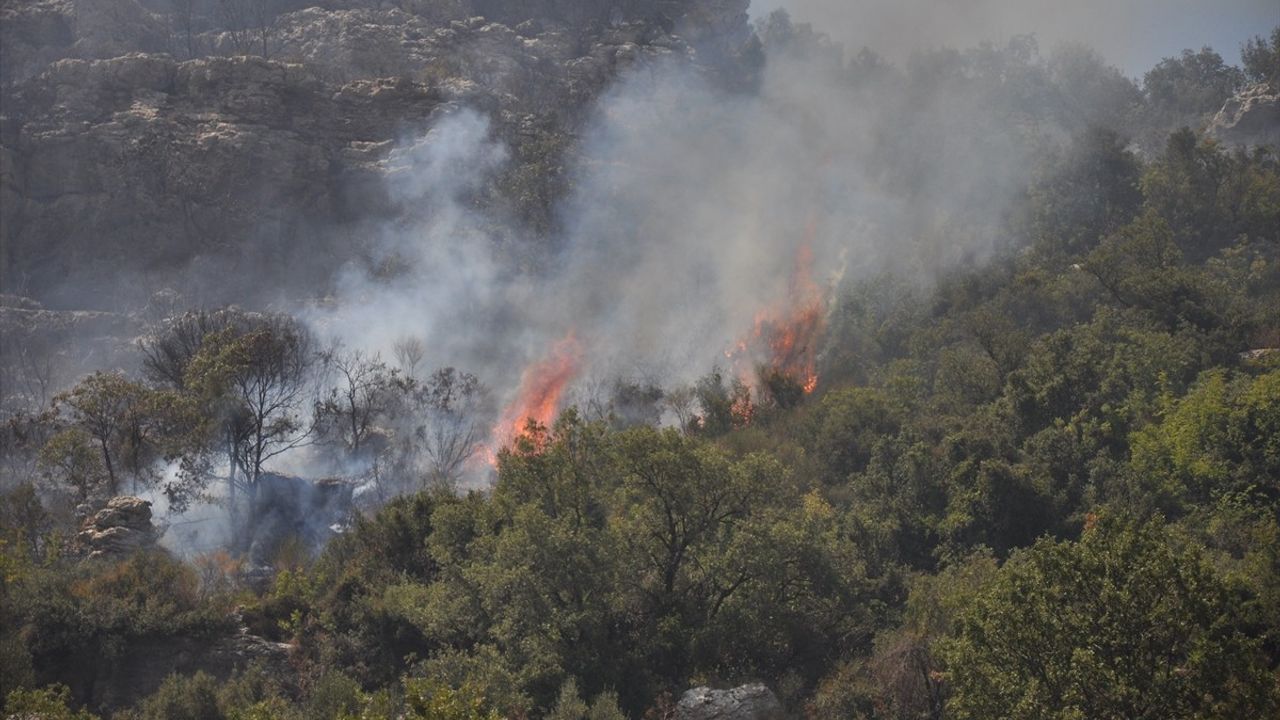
(1132, 34)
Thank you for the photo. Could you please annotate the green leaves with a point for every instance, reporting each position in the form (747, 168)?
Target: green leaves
(1130, 621)
(1223, 437)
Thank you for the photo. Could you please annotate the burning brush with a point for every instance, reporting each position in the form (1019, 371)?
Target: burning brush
(781, 352)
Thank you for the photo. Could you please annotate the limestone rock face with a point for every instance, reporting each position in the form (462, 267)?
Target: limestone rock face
(1250, 118)
(35, 33)
(132, 138)
(746, 702)
(121, 527)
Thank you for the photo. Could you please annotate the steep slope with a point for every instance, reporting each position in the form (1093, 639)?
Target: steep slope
(179, 144)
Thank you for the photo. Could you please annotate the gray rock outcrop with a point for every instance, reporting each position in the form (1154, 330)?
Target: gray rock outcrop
(121, 527)
(1250, 118)
(133, 138)
(746, 702)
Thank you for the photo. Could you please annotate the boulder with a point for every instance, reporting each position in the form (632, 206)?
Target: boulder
(746, 702)
(121, 527)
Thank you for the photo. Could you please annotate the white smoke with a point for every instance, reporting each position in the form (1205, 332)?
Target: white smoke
(690, 205)
(434, 274)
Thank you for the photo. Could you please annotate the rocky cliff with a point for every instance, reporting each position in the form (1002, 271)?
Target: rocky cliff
(180, 141)
(1249, 118)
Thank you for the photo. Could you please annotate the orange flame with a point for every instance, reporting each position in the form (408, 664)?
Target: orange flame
(785, 338)
(542, 386)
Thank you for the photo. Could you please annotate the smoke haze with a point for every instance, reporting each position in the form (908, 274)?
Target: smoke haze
(692, 206)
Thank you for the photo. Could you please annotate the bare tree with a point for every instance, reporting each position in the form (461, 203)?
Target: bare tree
(620, 401)
(184, 22)
(356, 398)
(234, 16)
(409, 352)
(682, 402)
(38, 372)
(262, 13)
(437, 427)
(455, 401)
(250, 24)
(30, 368)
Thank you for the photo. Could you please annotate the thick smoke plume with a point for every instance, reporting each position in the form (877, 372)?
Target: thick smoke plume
(694, 211)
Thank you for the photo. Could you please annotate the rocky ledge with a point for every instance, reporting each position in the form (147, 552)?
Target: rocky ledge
(746, 702)
(121, 527)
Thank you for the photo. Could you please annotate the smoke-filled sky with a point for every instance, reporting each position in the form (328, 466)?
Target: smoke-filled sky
(694, 210)
(1132, 34)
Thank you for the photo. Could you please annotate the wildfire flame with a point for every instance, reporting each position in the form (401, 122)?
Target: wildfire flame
(542, 386)
(784, 339)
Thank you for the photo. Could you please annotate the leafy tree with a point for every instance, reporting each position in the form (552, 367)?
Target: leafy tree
(1261, 59)
(332, 697)
(194, 697)
(114, 412)
(1104, 375)
(1223, 437)
(51, 703)
(1183, 189)
(991, 500)
(569, 704)
(1090, 92)
(1089, 193)
(1192, 84)
(1130, 621)
(898, 502)
(168, 351)
(71, 460)
(432, 700)
(252, 387)
(779, 388)
(724, 406)
(847, 425)
(682, 503)
(1141, 266)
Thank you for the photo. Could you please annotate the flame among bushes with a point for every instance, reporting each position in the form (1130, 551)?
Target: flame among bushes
(783, 343)
(542, 387)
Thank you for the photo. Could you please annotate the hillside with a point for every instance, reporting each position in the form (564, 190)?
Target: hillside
(566, 359)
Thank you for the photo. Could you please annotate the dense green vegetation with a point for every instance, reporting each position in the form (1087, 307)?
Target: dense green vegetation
(1047, 485)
